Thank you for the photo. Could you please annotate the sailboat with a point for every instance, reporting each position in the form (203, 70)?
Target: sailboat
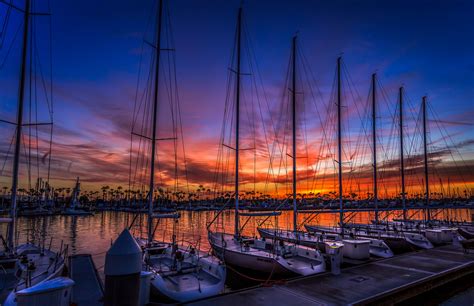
(73, 210)
(380, 236)
(180, 274)
(28, 264)
(295, 236)
(259, 255)
(356, 249)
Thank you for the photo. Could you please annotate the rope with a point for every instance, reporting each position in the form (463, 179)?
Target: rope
(265, 282)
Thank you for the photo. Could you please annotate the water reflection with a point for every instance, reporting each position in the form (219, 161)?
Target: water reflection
(94, 234)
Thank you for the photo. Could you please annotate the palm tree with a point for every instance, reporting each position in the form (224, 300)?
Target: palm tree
(119, 191)
(104, 191)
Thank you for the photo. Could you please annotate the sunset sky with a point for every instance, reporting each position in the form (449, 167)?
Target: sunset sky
(426, 46)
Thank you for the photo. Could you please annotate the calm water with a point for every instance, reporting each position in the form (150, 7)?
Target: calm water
(93, 234)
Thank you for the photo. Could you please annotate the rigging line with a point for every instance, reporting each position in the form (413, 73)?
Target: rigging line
(33, 69)
(380, 139)
(360, 142)
(444, 131)
(327, 106)
(5, 23)
(179, 113)
(250, 46)
(145, 146)
(283, 126)
(331, 122)
(448, 147)
(411, 148)
(416, 167)
(259, 107)
(36, 115)
(7, 154)
(305, 129)
(172, 95)
(15, 36)
(360, 139)
(30, 88)
(137, 88)
(141, 59)
(139, 158)
(167, 78)
(51, 97)
(221, 154)
(305, 68)
(38, 67)
(251, 55)
(280, 126)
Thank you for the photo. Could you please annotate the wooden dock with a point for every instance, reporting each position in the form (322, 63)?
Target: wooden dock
(386, 281)
(88, 289)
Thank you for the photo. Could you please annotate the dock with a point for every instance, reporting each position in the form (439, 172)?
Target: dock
(385, 281)
(88, 288)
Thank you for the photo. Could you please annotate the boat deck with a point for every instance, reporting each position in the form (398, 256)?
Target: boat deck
(191, 276)
(388, 280)
(88, 289)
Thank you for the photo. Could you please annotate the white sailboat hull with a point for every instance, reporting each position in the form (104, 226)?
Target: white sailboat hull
(294, 260)
(377, 247)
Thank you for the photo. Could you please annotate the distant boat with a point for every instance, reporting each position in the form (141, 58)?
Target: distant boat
(73, 210)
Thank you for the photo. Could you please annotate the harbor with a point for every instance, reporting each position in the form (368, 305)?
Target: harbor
(372, 281)
(386, 281)
(151, 158)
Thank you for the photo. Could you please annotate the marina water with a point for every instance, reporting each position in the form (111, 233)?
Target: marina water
(94, 234)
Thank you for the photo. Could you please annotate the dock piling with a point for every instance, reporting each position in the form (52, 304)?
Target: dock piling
(123, 265)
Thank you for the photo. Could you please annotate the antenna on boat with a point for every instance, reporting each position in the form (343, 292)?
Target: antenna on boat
(339, 144)
(237, 123)
(293, 100)
(402, 161)
(19, 123)
(425, 153)
(374, 135)
(155, 107)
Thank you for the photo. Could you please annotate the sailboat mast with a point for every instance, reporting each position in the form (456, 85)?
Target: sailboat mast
(402, 160)
(237, 124)
(374, 140)
(339, 143)
(425, 153)
(155, 107)
(19, 124)
(293, 103)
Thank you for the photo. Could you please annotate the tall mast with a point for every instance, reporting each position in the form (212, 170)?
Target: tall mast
(402, 160)
(374, 140)
(19, 124)
(339, 143)
(293, 102)
(237, 123)
(425, 153)
(155, 107)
